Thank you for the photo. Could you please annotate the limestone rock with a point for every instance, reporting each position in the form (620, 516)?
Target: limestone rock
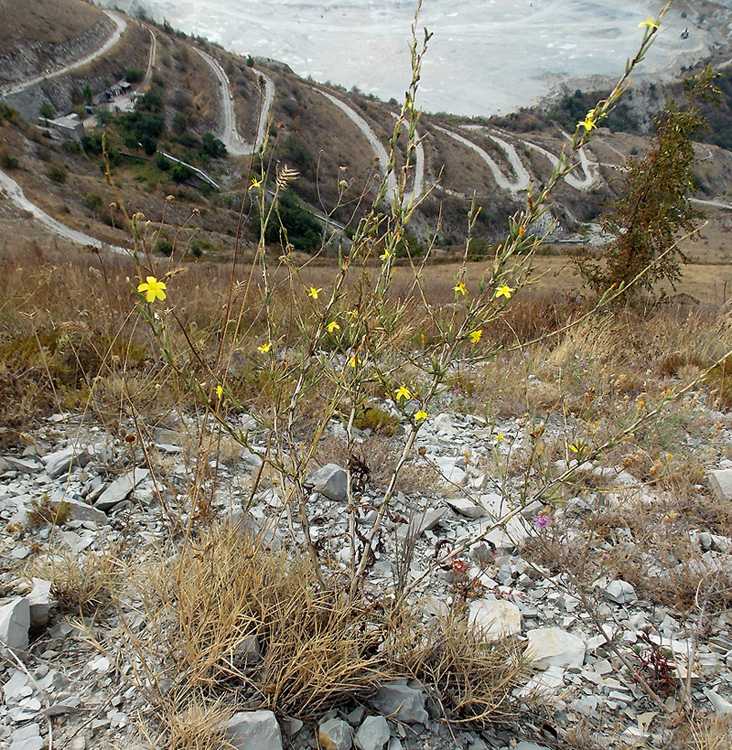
(120, 488)
(497, 618)
(402, 702)
(420, 523)
(465, 507)
(335, 734)
(79, 510)
(554, 647)
(330, 481)
(620, 592)
(721, 483)
(254, 730)
(60, 462)
(40, 601)
(373, 733)
(14, 623)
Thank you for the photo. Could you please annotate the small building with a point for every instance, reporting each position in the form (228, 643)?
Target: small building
(120, 88)
(68, 128)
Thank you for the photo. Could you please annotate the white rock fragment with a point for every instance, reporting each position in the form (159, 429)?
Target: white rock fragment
(721, 706)
(331, 481)
(496, 618)
(620, 592)
(120, 488)
(465, 507)
(335, 734)
(40, 601)
(15, 623)
(254, 730)
(554, 647)
(373, 733)
(543, 684)
(78, 510)
(401, 701)
(721, 483)
(62, 461)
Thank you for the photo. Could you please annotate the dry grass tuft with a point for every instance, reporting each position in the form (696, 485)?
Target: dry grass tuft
(197, 726)
(713, 733)
(83, 583)
(318, 650)
(470, 677)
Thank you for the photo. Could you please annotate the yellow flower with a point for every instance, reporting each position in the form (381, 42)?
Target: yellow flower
(219, 390)
(499, 438)
(475, 336)
(264, 348)
(385, 255)
(352, 313)
(255, 184)
(588, 123)
(460, 288)
(504, 291)
(403, 392)
(649, 23)
(353, 361)
(153, 289)
(314, 292)
(333, 326)
(420, 415)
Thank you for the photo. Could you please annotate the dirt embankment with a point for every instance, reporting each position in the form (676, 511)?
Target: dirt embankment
(34, 57)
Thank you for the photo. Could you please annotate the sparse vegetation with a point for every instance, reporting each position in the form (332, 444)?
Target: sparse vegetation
(289, 362)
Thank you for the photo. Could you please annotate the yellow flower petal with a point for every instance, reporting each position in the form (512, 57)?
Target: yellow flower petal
(403, 392)
(504, 291)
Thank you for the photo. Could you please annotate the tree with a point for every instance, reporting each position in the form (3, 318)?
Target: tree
(654, 209)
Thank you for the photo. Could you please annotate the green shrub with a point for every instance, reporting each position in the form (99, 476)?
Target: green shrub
(57, 173)
(93, 201)
(7, 161)
(134, 75)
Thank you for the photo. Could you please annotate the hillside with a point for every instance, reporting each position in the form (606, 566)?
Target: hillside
(330, 141)
(286, 466)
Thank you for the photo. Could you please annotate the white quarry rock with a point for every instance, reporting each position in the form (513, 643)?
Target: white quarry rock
(420, 523)
(465, 507)
(79, 510)
(721, 706)
(254, 730)
(497, 618)
(14, 623)
(620, 592)
(330, 481)
(450, 470)
(40, 601)
(373, 733)
(543, 683)
(21, 464)
(402, 702)
(27, 738)
(120, 488)
(335, 734)
(530, 746)
(721, 483)
(554, 647)
(60, 462)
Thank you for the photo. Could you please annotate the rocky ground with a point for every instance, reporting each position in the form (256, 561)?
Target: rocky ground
(61, 691)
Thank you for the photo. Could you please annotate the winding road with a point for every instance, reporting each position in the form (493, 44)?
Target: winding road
(15, 193)
(522, 178)
(377, 146)
(230, 136)
(380, 153)
(121, 26)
